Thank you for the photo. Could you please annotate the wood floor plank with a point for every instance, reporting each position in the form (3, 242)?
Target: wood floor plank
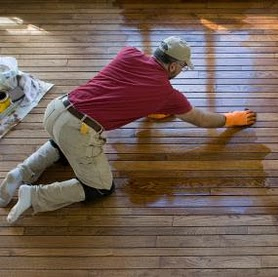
(44, 273)
(265, 272)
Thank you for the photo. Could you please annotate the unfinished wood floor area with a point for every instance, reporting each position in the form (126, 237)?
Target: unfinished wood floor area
(189, 201)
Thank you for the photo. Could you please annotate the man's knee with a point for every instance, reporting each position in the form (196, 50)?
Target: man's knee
(63, 160)
(92, 194)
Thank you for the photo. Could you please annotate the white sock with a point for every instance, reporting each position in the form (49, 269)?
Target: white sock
(9, 186)
(23, 203)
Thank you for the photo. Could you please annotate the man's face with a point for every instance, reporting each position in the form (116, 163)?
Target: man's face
(175, 68)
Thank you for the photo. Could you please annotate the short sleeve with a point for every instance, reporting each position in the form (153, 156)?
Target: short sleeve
(176, 103)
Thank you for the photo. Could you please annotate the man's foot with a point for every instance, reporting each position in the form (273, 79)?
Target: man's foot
(9, 186)
(23, 203)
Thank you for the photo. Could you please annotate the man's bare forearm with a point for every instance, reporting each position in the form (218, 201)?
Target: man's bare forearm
(204, 119)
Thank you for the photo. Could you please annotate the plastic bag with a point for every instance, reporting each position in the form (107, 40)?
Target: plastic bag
(8, 73)
(12, 78)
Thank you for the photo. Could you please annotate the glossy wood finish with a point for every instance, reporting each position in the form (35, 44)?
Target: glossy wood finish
(189, 202)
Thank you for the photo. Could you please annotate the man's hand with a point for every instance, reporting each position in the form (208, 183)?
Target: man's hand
(158, 116)
(240, 118)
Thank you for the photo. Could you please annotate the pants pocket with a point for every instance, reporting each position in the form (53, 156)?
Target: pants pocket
(95, 147)
(92, 167)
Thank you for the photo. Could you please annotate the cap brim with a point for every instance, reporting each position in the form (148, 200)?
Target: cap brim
(190, 65)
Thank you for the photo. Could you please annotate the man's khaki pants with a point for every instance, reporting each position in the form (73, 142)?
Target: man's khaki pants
(84, 153)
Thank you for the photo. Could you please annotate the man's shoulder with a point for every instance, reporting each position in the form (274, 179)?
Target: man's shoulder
(130, 49)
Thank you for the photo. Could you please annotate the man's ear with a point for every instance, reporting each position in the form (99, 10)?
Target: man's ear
(172, 67)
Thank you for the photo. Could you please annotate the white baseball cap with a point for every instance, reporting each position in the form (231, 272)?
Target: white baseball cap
(178, 49)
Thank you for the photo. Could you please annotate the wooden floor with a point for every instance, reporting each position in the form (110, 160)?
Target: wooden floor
(189, 202)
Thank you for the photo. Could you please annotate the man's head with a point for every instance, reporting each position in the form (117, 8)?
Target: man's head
(175, 54)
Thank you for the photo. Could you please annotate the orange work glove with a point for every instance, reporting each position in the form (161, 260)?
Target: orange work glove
(158, 116)
(240, 118)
